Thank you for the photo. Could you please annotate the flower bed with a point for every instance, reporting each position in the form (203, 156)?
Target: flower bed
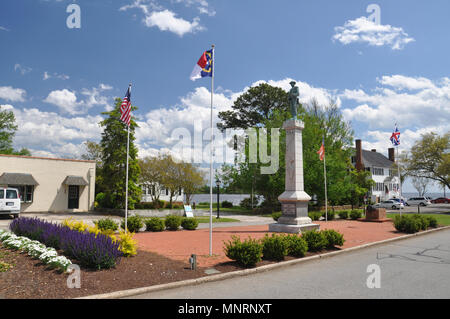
(89, 249)
(34, 248)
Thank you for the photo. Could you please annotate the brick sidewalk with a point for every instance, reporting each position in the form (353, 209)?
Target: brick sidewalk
(181, 244)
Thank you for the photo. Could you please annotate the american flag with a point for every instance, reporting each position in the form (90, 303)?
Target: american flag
(321, 151)
(395, 137)
(125, 108)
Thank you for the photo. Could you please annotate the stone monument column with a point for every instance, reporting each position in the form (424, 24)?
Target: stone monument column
(294, 200)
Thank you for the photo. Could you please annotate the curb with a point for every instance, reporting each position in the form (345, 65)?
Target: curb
(245, 272)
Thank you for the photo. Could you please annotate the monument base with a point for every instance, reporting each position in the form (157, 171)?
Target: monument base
(292, 229)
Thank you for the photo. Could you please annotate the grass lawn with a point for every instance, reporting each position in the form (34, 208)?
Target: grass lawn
(233, 210)
(442, 219)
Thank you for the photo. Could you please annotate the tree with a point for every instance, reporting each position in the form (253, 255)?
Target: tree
(114, 155)
(254, 107)
(430, 158)
(94, 152)
(420, 184)
(191, 180)
(267, 107)
(152, 171)
(8, 128)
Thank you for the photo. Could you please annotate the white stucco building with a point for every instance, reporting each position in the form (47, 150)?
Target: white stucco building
(50, 184)
(385, 178)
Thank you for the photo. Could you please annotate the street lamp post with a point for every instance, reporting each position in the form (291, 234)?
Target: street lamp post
(218, 201)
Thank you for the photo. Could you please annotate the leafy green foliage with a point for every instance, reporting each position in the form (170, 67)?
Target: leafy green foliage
(173, 222)
(114, 156)
(296, 245)
(414, 223)
(355, 214)
(246, 253)
(330, 215)
(275, 247)
(154, 224)
(430, 158)
(343, 214)
(106, 224)
(333, 238)
(314, 215)
(276, 215)
(189, 223)
(134, 223)
(226, 204)
(316, 240)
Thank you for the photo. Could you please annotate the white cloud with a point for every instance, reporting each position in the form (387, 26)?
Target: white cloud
(363, 30)
(9, 93)
(47, 76)
(164, 19)
(68, 102)
(3, 28)
(54, 135)
(22, 69)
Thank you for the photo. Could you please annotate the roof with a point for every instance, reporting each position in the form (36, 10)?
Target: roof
(17, 179)
(375, 159)
(75, 180)
(48, 158)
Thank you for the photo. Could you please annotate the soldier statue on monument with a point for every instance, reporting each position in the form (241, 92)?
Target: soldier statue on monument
(293, 99)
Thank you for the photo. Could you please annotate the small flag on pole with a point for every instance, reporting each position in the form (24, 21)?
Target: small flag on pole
(321, 151)
(125, 108)
(395, 137)
(203, 68)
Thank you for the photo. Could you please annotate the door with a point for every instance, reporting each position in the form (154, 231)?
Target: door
(74, 196)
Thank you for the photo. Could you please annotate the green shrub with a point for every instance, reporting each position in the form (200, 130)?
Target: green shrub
(106, 224)
(355, 214)
(333, 238)
(246, 253)
(154, 224)
(177, 206)
(407, 224)
(276, 215)
(315, 239)
(227, 204)
(189, 223)
(296, 245)
(134, 223)
(421, 220)
(432, 221)
(330, 215)
(343, 214)
(314, 215)
(246, 203)
(173, 222)
(274, 247)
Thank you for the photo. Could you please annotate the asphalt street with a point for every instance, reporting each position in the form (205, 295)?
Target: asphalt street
(418, 267)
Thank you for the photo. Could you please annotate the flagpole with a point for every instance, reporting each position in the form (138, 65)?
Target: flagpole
(325, 177)
(126, 182)
(399, 181)
(211, 153)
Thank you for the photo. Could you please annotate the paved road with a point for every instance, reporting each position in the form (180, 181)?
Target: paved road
(413, 268)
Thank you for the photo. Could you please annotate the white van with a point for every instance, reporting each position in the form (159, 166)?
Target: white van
(9, 202)
(421, 201)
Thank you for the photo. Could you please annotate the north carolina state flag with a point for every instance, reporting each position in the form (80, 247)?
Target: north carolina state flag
(203, 68)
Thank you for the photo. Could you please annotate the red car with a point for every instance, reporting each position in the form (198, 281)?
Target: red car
(441, 200)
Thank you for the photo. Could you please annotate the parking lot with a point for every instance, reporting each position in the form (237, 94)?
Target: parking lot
(430, 209)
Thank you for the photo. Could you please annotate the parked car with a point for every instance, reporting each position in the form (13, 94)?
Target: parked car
(421, 201)
(441, 200)
(9, 202)
(398, 200)
(390, 204)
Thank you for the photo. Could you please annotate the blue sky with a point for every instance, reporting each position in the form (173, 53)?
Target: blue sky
(58, 80)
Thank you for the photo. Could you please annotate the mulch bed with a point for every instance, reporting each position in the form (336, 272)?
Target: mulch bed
(31, 279)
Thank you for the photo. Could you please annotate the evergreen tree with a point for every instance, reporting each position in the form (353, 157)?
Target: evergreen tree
(114, 155)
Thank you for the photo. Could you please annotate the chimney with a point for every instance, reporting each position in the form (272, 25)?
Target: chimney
(391, 152)
(359, 161)
(374, 150)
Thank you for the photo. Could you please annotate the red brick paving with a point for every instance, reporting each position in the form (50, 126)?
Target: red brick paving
(179, 245)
